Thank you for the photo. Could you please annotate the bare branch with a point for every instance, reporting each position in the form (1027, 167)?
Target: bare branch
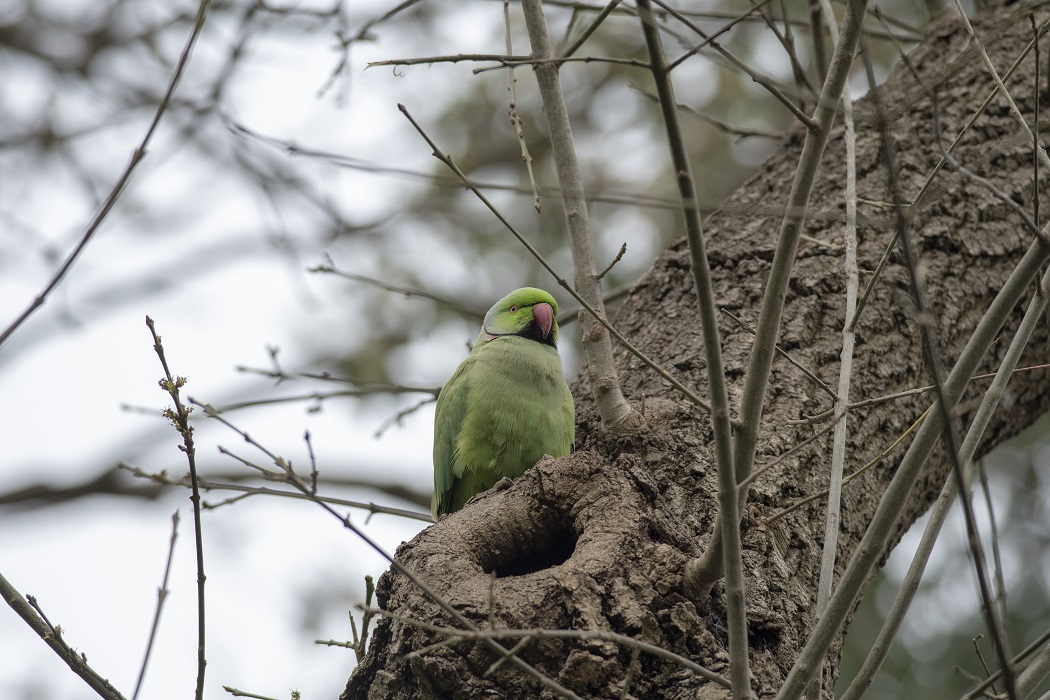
(293, 149)
(616, 413)
(794, 363)
(618, 258)
(721, 419)
(180, 419)
(504, 61)
(908, 32)
(245, 694)
(162, 478)
(974, 177)
(868, 552)
(739, 65)
(515, 119)
(833, 516)
(28, 610)
(825, 415)
(932, 353)
(871, 463)
(590, 29)
(162, 595)
(118, 189)
(742, 132)
(407, 292)
(927, 187)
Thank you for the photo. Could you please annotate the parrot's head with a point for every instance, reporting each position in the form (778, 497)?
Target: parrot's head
(527, 312)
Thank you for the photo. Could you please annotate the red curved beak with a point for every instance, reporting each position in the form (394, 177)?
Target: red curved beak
(543, 315)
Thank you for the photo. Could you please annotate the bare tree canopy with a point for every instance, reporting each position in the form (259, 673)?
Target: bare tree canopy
(796, 322)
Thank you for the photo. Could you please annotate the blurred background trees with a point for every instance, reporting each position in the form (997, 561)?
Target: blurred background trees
(280, 163)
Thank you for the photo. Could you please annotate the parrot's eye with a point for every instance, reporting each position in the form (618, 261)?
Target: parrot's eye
(514, 308)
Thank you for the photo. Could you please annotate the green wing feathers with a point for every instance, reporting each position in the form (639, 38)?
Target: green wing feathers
(449, 416)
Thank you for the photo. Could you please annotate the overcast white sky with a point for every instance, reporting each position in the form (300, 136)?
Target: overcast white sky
(67, 375)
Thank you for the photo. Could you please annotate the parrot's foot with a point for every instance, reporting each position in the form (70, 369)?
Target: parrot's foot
(501, 485)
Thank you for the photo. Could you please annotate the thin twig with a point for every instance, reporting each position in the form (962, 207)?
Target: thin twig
(180, 420)
(1000, 585)
(569, 29)
(401, 415)
(833, 516)
(871, 463)
(209, 485)
(511, 653)
(1035, 140)
(515, 118)
(785, 455)
(795, 363)
(364, 388)
(757, 77)
(1034, 674)
(869, 551)
(920, 199)
(407, 292)
(245, 694)
(318, 396)
(504, 61)
(984, 664)
(27, 608)
(787, 41)
(118, 189)
(360, 643)
(618, 258)
(872, 545)
(912, 34)
(314, 473)
(291, 148)
(1018, 117)
(632, 670)
(162, 595)
(974, 177)
(825, 415)
(365, 32)
(739, 131)
(586, 34)
(733, 21)
(362, 34)
(816, 31)
(1022, 655)
(572, 315)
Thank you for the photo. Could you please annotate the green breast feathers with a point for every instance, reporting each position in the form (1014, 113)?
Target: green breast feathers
(506, 405)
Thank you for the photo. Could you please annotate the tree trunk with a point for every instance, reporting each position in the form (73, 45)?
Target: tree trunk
(598, 540)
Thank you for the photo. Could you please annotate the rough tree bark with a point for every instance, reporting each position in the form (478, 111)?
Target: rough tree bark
(597, 541)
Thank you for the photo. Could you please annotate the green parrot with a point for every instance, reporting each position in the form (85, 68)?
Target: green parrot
(506, 405)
